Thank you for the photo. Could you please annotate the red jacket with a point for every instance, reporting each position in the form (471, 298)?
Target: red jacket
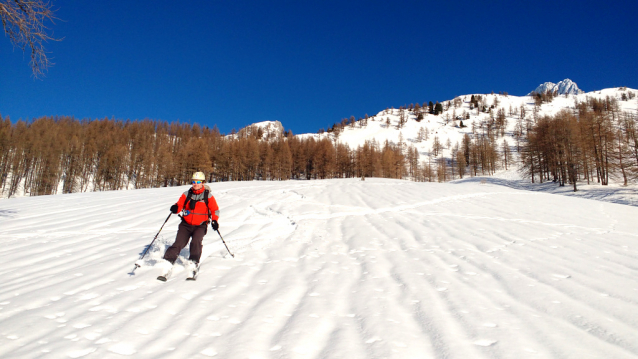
(198, 215)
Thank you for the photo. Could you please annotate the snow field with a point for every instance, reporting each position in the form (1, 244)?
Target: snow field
(323, 269)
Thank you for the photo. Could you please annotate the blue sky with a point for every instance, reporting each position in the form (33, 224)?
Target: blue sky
(309, 64)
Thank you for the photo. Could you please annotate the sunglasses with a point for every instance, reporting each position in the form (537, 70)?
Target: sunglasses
(198, 182)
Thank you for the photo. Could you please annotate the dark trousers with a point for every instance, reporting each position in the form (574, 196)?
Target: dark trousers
(184, 233)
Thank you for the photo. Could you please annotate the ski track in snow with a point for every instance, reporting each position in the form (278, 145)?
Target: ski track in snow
(323, 269)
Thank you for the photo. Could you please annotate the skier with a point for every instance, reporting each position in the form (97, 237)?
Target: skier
(199, 208)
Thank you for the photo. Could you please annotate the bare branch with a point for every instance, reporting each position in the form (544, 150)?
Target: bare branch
(24, 23)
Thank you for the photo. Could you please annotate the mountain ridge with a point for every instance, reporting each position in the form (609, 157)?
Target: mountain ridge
(461, 109)
(564, 87)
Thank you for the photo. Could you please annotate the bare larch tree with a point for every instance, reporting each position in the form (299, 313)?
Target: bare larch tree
(24, 24)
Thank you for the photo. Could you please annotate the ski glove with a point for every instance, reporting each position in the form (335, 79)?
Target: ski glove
(174, 208)
(215, 225)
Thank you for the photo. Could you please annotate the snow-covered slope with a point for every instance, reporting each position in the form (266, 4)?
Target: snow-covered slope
(324, 269)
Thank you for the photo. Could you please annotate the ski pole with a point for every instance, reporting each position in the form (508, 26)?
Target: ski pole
(220, 236)
(137, 265)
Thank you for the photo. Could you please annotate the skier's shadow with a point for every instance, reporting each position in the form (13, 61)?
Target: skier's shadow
(8, 213)
(148, 249)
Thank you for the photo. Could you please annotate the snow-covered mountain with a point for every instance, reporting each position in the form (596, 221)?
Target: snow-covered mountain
(565, 87)
(337, 268)
(402, 126)
(446, 127)
(265, 130)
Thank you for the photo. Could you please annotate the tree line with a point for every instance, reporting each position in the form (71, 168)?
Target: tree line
(594, 142)
(52, 155)
(65, 155)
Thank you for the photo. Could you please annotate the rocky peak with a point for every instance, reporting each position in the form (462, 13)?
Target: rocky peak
(566, 86)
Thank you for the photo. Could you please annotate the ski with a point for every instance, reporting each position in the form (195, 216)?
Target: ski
(164, 277)
(191, 268)
(192, 272)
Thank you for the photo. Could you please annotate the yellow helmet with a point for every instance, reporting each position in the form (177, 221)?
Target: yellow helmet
(199, 176)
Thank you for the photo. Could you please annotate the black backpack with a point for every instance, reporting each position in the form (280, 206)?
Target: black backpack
(189, 200)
